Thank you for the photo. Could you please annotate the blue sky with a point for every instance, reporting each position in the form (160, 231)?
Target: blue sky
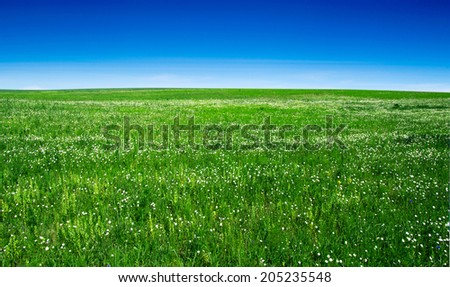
(358, 44)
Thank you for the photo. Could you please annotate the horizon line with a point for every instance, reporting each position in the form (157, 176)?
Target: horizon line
(220, 88)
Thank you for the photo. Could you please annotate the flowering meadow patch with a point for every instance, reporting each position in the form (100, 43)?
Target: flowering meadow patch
(66, 200)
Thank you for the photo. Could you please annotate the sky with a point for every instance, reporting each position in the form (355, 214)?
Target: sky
(357, 44)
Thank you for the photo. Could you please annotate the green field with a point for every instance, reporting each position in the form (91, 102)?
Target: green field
(68, 200)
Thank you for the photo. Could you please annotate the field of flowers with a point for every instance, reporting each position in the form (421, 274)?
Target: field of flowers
(68, 200)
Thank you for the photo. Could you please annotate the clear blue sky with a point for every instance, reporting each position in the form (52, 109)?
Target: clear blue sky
(362, 44)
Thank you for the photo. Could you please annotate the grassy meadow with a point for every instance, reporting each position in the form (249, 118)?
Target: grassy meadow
(67, 200)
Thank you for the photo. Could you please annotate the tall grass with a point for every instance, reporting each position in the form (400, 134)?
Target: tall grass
(67, 201)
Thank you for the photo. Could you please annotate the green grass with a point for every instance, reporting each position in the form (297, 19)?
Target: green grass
(67, 201)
